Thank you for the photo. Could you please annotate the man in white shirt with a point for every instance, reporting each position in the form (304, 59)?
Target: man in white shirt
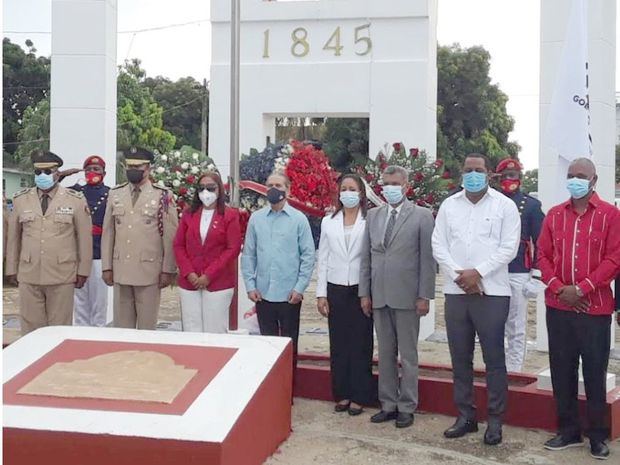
(476, 236)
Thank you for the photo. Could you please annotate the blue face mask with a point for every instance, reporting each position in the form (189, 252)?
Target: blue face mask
(474, 181)
(44, 181)
(393, 194)
(350, 199)
(577, 187)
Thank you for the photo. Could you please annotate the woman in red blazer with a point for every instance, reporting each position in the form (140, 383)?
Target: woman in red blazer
(206, 247)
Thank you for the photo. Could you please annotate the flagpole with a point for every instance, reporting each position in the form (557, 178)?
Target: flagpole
(235, 32)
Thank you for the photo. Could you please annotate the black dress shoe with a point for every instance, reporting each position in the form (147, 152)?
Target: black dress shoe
(382, 417)
(341, 407)
(560, 442)
(599, 450)
(460, 428)
(493, 434)
(403, 420)
(355, 411)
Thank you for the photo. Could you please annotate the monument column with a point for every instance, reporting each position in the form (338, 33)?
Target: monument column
(83, 82)
(83, 86)
(602, 65)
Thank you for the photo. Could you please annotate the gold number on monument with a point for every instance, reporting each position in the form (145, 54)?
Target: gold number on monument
(300, 41)
(266, 44)
(336, 47)
(361, 39)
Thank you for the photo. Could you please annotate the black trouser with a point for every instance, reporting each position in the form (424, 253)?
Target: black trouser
(573, 335)
(280, 319)
(486, 315)
(350, 346)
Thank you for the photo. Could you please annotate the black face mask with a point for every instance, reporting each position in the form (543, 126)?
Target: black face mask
(275, 195)
(134, 176)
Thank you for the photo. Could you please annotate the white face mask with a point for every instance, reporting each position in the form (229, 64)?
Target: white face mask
(207, 198)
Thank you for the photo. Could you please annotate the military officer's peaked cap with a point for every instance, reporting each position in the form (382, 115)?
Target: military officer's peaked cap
(44, 159)
(508, 164)
(137, 156)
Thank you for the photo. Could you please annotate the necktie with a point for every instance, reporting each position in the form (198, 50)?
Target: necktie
(390, 228)
(134, 197)
(44, 201)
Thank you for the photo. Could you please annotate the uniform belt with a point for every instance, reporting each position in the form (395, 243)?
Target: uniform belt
(97, 230)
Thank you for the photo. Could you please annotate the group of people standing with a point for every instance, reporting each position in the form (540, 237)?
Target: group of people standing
(376, 268)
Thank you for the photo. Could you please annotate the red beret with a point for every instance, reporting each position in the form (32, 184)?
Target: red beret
(94, 160)
(508, 164)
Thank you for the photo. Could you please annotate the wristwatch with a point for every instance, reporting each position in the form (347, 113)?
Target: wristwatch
(578, 291)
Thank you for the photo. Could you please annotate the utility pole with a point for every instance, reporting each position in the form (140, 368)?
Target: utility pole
(235, 32)
(205, 109)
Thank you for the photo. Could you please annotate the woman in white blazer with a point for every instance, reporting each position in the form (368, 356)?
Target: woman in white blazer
(350, 331)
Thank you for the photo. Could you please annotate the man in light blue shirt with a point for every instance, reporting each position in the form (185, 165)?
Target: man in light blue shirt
(277, 262)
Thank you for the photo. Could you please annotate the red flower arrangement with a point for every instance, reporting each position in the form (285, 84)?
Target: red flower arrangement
(428, 182)
(313, 181)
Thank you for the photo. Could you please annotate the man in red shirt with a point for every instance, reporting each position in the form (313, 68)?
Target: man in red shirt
(579, 256)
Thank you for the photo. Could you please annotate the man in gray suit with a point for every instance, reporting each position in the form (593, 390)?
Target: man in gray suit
(397, 280)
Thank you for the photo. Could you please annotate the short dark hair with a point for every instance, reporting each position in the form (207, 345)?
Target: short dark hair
(361, 186)
(487, 162)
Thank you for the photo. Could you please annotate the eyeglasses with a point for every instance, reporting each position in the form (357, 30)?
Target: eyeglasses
(207, 188)
(46, 171)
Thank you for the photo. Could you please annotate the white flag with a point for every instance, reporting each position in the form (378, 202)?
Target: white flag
(568, 123)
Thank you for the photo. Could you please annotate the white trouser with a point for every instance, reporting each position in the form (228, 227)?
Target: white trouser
(204, 311)
(90, 304)
(516, 324)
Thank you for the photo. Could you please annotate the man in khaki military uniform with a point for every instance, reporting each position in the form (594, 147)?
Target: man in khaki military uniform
(49, 246)
(136, 246)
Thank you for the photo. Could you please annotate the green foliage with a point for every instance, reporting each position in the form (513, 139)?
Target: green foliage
(346, 142)
(139, 117)
(530, 181)
(182, 105)
(34, 133)
(25, 81)
(471, 112)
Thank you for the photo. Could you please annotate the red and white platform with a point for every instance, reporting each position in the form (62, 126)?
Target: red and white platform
(236, 409)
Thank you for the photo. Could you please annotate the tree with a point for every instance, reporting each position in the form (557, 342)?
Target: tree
(471, 112)
(25, 82)
(346, 142)
(34, 133)
(139, 117)
(182, 107)
(530, 181)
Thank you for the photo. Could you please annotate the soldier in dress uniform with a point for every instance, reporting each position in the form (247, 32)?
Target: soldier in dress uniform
(521, 269)
(91, 301)
(136, 251)
(49, 249)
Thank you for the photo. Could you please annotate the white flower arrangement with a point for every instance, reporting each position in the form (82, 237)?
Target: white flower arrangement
(194, 170)
(195, 156)
(177, 154)
(176, 183)
(164, 158)
(184, 165)
(160, 170)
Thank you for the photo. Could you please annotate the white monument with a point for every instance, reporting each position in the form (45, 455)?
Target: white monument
(601, 28)
(347, 58)
(83, 86)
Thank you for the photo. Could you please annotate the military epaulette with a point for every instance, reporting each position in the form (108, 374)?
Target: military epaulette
(119, 186)
(532, 198)
(22, 192)
(74, 193)
(163, 188)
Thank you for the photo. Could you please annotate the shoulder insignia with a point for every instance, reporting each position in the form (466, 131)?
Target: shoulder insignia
(22, 192)
(119, 186)
(77, 194)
